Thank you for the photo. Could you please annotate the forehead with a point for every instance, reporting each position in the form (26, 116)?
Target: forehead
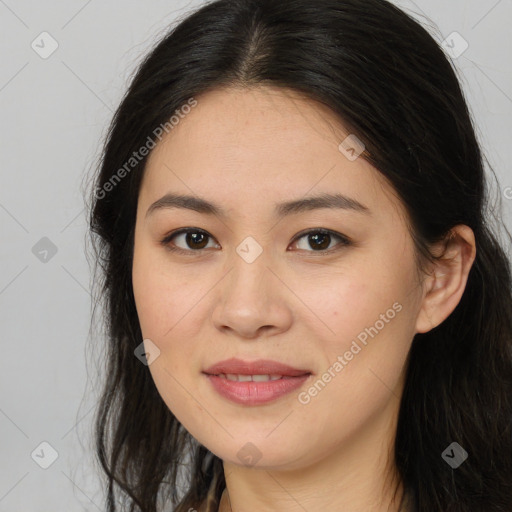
(276, 121)
(265, 142)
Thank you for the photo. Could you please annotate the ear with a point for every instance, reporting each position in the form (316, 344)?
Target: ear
(446, 283)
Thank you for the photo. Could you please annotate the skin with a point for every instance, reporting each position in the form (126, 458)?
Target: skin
(247, 149)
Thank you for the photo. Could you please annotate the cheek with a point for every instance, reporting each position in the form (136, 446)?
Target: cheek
(158, 299)
(151, 300)
(162, 305)
(345, 303)
(171, 314)
(367, 313)
(162, 295)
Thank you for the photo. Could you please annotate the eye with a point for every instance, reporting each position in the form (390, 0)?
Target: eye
(197, 240)
(194, 238)
(320, 239)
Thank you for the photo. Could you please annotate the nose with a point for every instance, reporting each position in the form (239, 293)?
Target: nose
(252, 300)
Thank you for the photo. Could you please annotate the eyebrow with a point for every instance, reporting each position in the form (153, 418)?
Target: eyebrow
(331, 201)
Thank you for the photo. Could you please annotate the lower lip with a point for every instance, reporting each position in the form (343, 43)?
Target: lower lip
(255, 393)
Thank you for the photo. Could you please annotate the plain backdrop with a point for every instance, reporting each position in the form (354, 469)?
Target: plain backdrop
(54, 112)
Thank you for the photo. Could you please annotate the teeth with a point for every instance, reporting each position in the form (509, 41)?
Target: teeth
(241, 378)
(247, 378)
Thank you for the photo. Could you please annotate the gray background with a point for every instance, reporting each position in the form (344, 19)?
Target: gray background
(54, 113)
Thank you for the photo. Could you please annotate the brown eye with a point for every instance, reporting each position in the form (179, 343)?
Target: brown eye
(191, 240)
(320, 239)
(194, 240)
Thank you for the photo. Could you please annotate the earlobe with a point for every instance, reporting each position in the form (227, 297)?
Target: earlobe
(445, 286)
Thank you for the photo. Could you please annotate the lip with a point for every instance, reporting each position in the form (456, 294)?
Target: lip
(259, 367)
(255, 393)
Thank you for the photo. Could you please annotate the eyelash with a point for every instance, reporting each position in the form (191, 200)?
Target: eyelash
(344, 240)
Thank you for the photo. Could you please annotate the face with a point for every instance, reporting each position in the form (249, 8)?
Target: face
(332, 291)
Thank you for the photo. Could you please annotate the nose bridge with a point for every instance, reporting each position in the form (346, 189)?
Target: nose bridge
(246, 301)
(249, 262)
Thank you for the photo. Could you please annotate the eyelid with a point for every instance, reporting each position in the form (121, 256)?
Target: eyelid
(344, 240)
(167, 238)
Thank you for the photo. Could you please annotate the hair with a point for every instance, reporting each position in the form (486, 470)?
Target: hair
(389, 82)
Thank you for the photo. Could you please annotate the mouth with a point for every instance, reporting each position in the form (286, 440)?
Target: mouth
(253, 378)
(254, 383)
(259, 369)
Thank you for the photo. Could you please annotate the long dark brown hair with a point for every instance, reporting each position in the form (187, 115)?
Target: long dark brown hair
(392, 85)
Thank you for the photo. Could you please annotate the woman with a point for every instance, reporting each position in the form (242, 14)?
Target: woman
(246, 372)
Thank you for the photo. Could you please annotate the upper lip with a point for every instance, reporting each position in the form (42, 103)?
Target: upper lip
(236, 366)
